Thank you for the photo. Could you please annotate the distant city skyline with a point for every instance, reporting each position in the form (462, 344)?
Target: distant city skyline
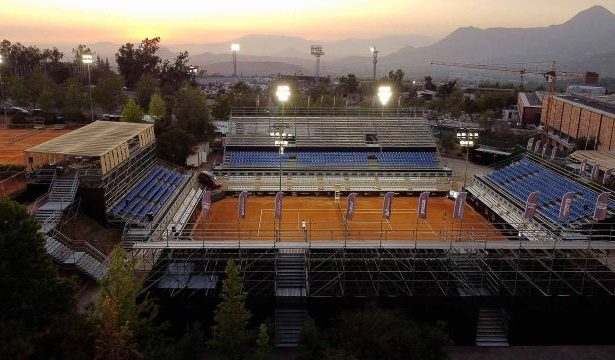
(184, 21)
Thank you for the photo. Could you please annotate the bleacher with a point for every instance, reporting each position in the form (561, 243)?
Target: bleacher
(409, 159)
(145, 200)
(523, 177)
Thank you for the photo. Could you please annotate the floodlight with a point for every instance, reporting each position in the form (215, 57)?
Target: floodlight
(1, 60)
(283, 93)
(384, 94)
(87, 59)
(235, 47)
(372, 49)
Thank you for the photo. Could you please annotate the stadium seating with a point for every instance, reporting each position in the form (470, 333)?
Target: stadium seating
(416, 159)
(149, 195)
(524, 177)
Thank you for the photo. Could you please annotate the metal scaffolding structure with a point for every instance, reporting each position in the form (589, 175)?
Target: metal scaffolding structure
(396, 272)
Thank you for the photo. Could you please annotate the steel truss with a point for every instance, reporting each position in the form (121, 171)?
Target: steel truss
(390, 272)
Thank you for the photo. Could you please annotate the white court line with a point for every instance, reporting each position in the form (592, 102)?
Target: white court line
(260, 219)
(432, 230)
(389, 223)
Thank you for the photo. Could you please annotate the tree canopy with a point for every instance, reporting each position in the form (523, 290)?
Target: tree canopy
(132, 112)
(32, 296)
(134, 61)
(192, 113)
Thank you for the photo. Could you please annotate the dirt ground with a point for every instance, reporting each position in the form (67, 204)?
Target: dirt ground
(325, 220)
(13, 142)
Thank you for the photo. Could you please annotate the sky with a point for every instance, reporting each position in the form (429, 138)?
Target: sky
(204, 21)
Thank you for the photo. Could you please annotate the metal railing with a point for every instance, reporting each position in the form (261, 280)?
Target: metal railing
(375, 234)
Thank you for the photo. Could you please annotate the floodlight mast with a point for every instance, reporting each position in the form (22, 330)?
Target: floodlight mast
(374, 51)
(317, 51)
(234, 50)
(87, 59)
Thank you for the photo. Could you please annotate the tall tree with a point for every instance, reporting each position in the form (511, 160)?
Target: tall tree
(32, 294)
(429, 85)
(134, 61)
(108, 92)
(348, 85)
(132, 112)
(147, 85)
(157, 107)
(230, 336)
(192, 113)
(74, 100)
(175, 145)
(397, 76)
(174, 74)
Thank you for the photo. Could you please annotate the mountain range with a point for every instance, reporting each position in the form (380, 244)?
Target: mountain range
(584, 43)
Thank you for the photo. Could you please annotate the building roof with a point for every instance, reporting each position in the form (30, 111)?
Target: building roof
(606, 159)
(94, 139)
(604, 105)
(530, 99)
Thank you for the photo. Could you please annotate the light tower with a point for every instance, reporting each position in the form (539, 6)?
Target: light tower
(374, 51)
(234, 50)
(87, 59)
(317, 51)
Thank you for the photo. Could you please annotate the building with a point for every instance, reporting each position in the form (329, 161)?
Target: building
(529, 106)
(582, 122)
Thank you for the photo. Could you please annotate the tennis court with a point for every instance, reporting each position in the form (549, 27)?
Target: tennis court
(324, 220)
(13, 142)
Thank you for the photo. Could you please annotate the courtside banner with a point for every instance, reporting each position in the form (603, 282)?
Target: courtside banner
(388, 202)
(243, 206)
(553, 152)
(530, 205)
(564, 209)
(537, 145)
(583, 165)
(278, 204)
(602, 204)
(422, 210)
(206, 202)
(607, 176)
(459, 208)
(595, 171)
(350, 206)
(530, 144)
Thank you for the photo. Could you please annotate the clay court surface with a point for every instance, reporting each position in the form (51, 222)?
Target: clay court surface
(324, 221)
(13, 142)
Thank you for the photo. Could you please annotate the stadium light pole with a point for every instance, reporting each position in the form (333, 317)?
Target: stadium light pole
(283, 94)
(6, 118)
(384, 94)
(374, 52)
(234, 50)
(87, 60)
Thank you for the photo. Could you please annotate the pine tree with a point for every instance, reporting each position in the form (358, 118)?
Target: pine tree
(263, 343)
(132, 112)
(230, 336)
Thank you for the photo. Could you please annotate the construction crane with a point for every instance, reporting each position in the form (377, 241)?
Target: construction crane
(550, 75)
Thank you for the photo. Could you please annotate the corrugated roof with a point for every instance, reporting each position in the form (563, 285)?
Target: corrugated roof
(94, 139)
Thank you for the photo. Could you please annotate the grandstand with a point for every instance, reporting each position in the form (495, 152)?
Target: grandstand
(504, 192)
(111, 167)
(350, 152)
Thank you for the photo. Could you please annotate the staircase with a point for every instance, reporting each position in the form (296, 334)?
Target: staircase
(49, 211)
(89, 260)
(290, 291)
(288, 324)
(290, 273)
(50, 207)
(469, 274)
(491, 328)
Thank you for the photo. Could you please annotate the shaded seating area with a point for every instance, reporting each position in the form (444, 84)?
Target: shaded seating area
(523, 177)
(145, 200)
(410, 159)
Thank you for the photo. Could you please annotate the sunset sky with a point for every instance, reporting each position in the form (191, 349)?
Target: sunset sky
(190, 21)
